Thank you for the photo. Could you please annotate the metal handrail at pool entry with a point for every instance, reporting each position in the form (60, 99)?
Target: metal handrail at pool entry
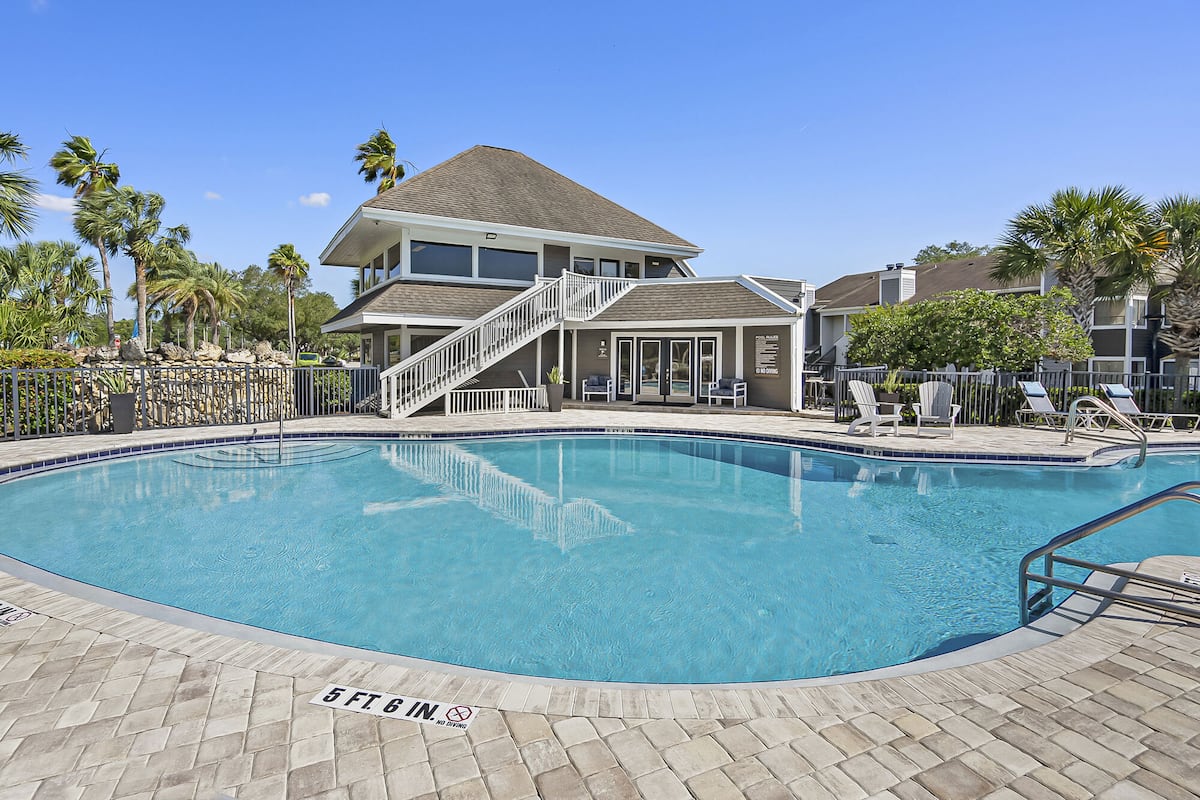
(1041, 600)
(1074, 416)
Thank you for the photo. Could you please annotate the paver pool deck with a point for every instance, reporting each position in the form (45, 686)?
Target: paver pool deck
(98, 701)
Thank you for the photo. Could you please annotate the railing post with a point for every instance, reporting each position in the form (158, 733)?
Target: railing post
(16, 407)
(143, 394)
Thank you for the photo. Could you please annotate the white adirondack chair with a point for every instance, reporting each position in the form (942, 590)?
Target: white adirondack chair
(936, 405)
(868, 409)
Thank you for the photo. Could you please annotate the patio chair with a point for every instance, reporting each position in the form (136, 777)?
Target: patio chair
(731, 389)
(1122, 400)
(1038, 405)
(868, 408)
(596, 385)
(936, 405)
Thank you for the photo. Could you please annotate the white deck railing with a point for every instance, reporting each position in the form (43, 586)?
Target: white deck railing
(425, 376)
(495, 401)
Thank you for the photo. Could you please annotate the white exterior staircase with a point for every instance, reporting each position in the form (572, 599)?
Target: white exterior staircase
(428, 375)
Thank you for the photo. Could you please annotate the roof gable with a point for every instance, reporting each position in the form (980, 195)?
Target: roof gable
(491, 184)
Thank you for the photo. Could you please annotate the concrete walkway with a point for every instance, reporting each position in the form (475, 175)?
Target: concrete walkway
(97, 701)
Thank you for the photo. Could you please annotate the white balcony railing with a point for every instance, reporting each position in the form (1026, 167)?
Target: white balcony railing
(495, 401)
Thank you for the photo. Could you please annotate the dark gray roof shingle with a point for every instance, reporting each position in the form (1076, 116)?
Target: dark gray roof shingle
(862, 289)
(428, 299)
(490, 184)
(702, 300)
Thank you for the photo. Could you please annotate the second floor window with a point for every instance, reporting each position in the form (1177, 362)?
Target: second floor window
(513, 265)
(1117, 312)
(431, 258)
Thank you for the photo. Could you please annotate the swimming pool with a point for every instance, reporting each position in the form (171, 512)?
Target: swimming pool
(626, 558)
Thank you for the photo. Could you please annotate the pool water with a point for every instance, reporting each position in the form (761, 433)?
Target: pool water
(606, 558)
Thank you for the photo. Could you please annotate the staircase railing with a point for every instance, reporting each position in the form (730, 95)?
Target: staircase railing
(1076, 416)
(425, 376)
(1041, 601)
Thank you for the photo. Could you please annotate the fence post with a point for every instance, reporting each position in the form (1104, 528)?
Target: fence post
(246, 416)
(16, 407)
(145, 408)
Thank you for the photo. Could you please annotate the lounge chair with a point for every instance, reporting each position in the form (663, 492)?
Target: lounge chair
(936, 405)
(868, 409)
(1122, 400)
(597, 386)
(1038, 405)
(731, 389)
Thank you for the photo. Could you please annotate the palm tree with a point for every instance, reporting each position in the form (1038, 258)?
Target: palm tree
(17, 190)
(223, 293)
(47, 291)
(378, 157)
(143, 239)
(287, 264)
(1083, 236)
(80, 167)
(1169, 263)
(181, 286)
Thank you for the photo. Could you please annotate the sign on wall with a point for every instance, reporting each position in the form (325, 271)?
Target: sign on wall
(766, 355)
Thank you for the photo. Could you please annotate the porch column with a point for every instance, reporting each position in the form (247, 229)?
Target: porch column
(537, 364)
(562, 331)
(798, 376)
(738, 356)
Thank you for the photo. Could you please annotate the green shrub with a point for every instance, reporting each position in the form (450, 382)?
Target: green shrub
(36, 359)
(332, 388)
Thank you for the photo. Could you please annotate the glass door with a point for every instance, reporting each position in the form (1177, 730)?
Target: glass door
(625, 369)
(650, 370)
(681, 387)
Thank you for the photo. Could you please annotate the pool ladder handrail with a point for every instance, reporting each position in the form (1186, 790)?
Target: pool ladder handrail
(1125, 422)
(1041, 600)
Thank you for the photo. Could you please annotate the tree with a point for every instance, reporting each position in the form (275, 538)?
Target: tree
(224, 294)
(181, 286)
(145, 241)
(285, 262)
(378, 157)
(97, 222)
(936, 254)
(81, 168)
(1084, 236)
(970, 327)
(47, 291)
(17, 190)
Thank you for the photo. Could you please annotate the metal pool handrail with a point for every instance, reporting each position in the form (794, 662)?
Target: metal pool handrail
(1041, 600)
(1122, 420)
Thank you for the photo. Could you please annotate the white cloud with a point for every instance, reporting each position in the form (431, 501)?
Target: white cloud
(52, 202)
(315, 199)
(212, 196)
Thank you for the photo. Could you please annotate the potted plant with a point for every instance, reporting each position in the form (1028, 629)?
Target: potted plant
(889, 390)
(121, 399)
(554, 389)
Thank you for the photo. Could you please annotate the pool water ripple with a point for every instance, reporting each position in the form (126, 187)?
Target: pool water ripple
(626, 558)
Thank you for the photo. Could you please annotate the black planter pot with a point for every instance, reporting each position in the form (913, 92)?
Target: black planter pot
(888, 397)
(123, 412)
(554, 396)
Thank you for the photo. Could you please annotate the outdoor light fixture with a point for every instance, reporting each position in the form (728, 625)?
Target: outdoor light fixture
(489, 236)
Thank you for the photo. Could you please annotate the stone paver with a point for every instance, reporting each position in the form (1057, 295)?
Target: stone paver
(99, 702)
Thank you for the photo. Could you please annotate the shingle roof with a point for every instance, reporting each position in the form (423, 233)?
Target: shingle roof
(429, 299)
(701, 300)
(490, 184)
(862, 289)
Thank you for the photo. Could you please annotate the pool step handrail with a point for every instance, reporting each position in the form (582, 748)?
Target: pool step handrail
(430, 374)
(1041, 601)
(1074, 417)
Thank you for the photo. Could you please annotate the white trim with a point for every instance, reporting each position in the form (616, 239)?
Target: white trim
(731, 322)
(797, 348)
(431, 221)
(342, 233)
(768, 294)
(394, 319)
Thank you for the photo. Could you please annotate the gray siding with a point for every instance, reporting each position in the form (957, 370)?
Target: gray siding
(555, 260)
(768, 392)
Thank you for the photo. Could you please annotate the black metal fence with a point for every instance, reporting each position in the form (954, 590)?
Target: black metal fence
(992, 398)
(63, 402)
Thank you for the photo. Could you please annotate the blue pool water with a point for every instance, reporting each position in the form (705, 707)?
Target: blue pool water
(622, 558)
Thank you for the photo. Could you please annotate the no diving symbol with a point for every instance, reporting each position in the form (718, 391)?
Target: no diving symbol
(459, 713)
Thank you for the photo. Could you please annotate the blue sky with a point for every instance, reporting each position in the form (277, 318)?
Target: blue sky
(798, 139)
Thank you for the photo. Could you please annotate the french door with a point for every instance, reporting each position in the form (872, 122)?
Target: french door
(664, 369)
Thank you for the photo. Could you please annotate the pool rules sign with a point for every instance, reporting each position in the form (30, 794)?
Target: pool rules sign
(394, 706)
